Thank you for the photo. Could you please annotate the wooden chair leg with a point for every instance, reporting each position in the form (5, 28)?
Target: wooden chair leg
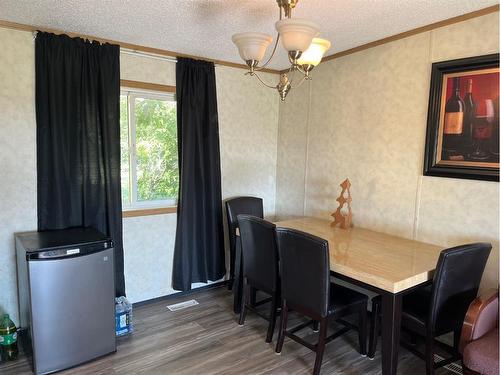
(429, 355)
(244, 302)
(253, 296)
(456, 339)
(283, 324)
(232, 264)
(374, 329)
(315, 326)
(272, 317)
(413, 338)
(467, 371)
(320, 348)
(362, 330)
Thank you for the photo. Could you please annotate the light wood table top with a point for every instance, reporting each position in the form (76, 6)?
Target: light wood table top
(387, 262)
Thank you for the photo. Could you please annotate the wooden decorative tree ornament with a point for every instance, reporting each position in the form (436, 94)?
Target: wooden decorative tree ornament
(339, 217)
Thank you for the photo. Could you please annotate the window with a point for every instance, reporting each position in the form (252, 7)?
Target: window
(148, 134)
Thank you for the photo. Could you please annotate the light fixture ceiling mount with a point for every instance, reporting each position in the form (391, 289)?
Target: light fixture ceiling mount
(298, 37)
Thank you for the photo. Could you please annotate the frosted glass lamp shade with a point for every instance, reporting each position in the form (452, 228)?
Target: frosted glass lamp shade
(252, 46)
(315, 52)
(296, 33)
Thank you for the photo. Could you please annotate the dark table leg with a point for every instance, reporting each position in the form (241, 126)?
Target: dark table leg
(238, 277)
(391, 329)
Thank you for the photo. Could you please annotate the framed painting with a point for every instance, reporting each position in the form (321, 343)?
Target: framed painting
(462, 124)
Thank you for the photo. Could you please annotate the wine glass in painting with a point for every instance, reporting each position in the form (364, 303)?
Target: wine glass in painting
(483, 125)
(495, 139)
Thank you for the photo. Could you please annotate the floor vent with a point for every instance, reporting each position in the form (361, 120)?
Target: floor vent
(454, 367)
(182, 305)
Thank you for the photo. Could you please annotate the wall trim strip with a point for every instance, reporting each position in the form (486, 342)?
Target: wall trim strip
(150, 211)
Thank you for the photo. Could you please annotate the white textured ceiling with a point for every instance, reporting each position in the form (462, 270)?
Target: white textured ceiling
(204, 27)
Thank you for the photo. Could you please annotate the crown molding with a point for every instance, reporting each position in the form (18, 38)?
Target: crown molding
(167, 53)
(406, 34)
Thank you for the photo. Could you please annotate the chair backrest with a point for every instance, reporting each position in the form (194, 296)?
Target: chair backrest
(238, 206)
(260, 252)
(456, 282)
(304, 270)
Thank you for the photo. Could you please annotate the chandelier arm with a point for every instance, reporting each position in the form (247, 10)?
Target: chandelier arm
(261, 81)
(270, 57)
(293, 76)
(304, 78)
(299, 68)
(274, 49)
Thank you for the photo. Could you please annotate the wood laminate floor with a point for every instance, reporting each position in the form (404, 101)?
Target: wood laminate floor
(206, 339)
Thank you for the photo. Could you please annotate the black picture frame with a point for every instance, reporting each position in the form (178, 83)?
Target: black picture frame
(431, 168)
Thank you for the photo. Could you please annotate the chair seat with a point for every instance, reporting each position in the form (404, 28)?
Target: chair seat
(482, 355)
(342, 297)
(416, 308)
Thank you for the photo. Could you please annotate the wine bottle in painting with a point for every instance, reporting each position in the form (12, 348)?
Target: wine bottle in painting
(469, 116)
(453, 124)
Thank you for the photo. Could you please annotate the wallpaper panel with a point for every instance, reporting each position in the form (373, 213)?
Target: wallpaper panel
(148, 255)
(365, 116)
(248, 126)
(475, 37)
(147, 69)
(292, 152)
(454, 212)
(17, 155)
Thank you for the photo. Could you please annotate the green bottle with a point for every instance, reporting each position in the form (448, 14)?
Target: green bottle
(8, 339)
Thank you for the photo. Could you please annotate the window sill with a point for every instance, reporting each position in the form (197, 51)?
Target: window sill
(150, 211)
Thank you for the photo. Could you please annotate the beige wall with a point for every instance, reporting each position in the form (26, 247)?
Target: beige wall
(367, 121)
(363, 117)
(248, 121)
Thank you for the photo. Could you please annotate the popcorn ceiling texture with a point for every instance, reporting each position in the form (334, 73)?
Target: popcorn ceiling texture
(204, 27)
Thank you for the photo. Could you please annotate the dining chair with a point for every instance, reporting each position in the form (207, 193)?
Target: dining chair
(439, 307)
(260, 267)
(234, 207)
(306, 288)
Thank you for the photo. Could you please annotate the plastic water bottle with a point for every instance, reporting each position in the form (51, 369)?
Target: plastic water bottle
(8, 339)
(123, 316)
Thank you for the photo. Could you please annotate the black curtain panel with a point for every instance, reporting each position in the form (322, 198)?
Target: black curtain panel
(78, 137)
(199, 241)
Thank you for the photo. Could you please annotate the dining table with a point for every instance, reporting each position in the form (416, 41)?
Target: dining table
(388, 265)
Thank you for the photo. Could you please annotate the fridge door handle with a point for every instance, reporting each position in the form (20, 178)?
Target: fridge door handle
(68, 252)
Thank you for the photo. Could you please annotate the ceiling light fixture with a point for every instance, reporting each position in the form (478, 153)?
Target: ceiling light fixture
(298, 37)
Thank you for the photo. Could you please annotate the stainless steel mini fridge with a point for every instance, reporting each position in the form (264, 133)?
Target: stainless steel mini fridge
(66, 297)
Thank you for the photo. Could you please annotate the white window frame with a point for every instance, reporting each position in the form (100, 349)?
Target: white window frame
(135, 204)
